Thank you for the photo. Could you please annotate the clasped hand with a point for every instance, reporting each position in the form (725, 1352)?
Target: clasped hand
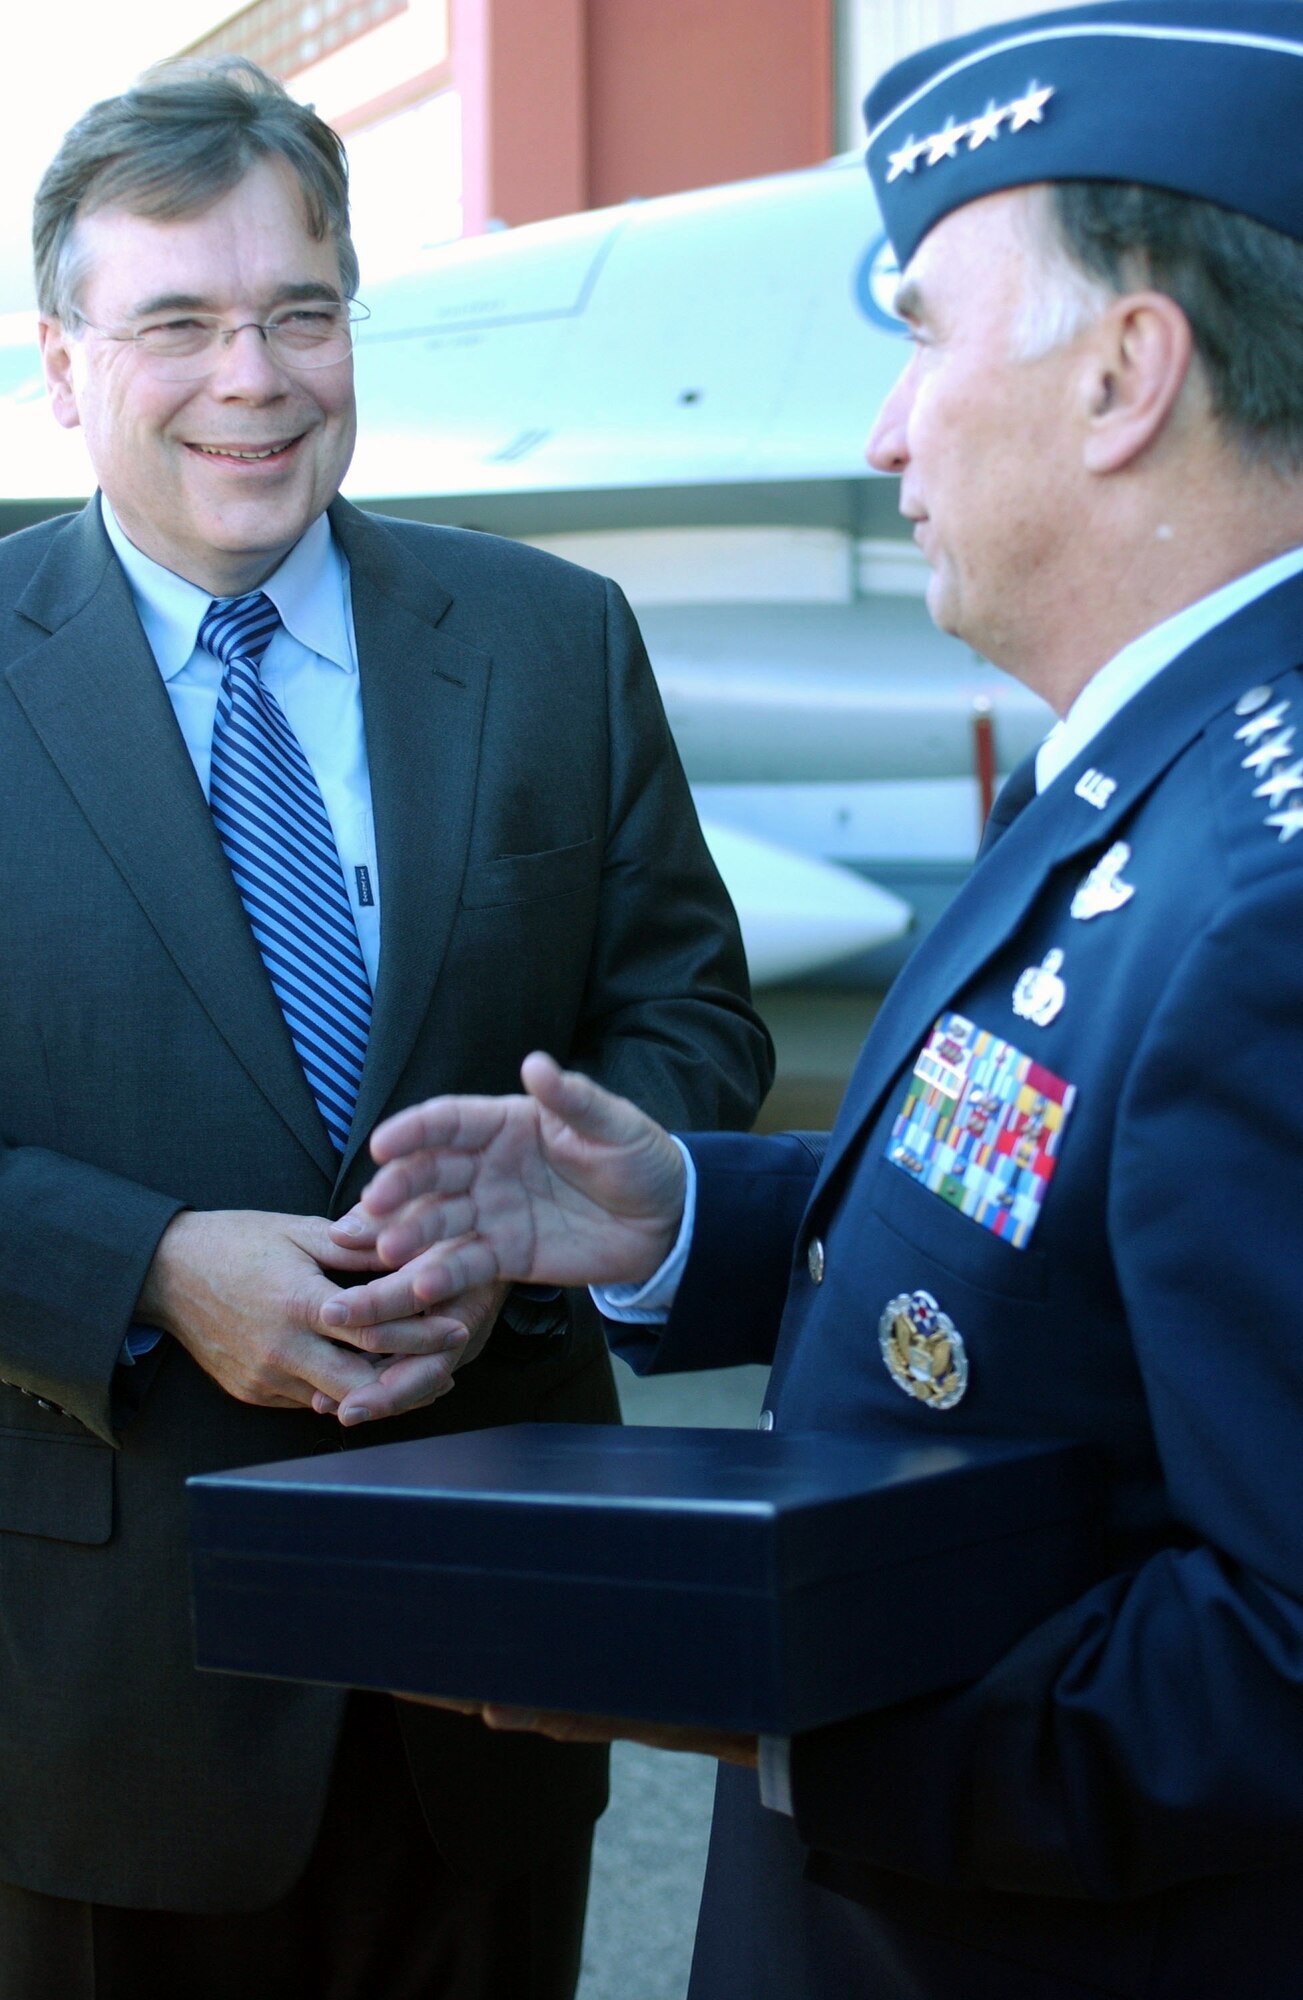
(565, 1185)
(248, 1295)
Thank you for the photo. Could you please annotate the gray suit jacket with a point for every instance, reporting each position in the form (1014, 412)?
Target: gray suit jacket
(544, 884)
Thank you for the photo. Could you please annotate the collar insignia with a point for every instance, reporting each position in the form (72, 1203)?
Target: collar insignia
(1095, 789)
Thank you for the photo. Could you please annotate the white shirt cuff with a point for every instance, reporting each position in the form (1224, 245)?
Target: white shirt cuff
(650, 1303)
(776, 1773)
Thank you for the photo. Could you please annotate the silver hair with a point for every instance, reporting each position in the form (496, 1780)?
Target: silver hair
(1239, 284)
(1061, 298)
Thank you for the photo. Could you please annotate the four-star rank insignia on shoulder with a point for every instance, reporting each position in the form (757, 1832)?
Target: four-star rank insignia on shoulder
(1268, 748)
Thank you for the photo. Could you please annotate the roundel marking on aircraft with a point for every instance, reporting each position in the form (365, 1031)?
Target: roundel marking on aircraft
(875, 286)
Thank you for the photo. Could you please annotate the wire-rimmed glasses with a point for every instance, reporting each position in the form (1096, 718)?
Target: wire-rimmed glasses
(183, 346)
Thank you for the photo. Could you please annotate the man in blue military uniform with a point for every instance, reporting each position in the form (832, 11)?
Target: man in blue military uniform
(1063, 1197)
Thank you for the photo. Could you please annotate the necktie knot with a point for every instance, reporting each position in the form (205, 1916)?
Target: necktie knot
(239, 628)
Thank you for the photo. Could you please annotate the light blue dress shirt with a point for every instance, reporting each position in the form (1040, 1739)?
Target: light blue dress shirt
(310, 668)
(1128, 671)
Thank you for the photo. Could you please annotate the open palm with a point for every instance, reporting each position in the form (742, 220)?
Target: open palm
(565, 1185)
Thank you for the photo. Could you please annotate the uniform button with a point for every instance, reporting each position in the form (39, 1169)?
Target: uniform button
(766, 1421)
(814, 1260)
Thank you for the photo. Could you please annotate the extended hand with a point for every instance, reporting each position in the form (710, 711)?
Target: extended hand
(244, 1292)
(567, 1185)
(727, 1745)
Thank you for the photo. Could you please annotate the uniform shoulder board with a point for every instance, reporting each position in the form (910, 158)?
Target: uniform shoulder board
(1257, 745)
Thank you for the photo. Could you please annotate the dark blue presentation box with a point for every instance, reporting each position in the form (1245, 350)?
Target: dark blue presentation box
(737, 1579)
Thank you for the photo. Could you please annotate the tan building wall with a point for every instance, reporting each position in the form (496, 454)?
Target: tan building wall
(475, 113)
(581, 103)
(683, 94)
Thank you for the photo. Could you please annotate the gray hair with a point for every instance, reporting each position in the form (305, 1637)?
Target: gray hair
(1239, 284)
(1061, 298)
(172, 145)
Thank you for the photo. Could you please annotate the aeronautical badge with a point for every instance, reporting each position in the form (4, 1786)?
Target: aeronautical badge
(923, 1350)
(1040, 993)
(1103, 889)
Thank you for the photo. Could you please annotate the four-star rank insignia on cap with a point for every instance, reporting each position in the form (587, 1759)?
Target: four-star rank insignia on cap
(923, 1350)
(953, 140)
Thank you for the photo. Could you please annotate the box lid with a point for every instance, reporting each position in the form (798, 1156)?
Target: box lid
(753, 1510)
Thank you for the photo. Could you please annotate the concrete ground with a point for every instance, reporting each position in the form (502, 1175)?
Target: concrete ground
(651, 1843)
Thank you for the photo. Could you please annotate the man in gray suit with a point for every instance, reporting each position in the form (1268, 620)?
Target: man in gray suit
(241, 720)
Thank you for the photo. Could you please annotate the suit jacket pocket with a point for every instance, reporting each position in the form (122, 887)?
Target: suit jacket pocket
(955, 1242)
(57, 1486)
(525, 878)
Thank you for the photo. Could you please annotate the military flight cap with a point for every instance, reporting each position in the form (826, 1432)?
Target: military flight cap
(1200, 97)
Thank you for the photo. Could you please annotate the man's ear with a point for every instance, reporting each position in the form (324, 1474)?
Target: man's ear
(1139, 363)
(56, 361)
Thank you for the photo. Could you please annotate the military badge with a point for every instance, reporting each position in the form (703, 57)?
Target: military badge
(981, 1126)
(1039, 994)
(924, 1352)
(1095, 789)
(1103, 889)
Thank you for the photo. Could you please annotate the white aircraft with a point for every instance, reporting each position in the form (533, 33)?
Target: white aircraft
(675, 392)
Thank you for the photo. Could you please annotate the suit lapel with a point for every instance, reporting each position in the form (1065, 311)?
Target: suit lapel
(1018, 790)
(1072, 817)
(92, 691)
(423, 697)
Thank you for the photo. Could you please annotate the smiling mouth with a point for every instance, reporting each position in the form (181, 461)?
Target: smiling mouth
(255, 455)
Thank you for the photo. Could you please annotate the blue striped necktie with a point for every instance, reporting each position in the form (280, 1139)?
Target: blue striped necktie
(271, 820)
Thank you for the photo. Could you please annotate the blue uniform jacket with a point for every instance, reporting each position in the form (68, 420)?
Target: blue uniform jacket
(1118, 1806)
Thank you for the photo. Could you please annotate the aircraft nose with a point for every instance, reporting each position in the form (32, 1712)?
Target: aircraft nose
(798, 913)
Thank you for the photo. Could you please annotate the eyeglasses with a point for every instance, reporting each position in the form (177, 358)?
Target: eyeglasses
(183, 348)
